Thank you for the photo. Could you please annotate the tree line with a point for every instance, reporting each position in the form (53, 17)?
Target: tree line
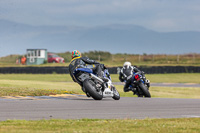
(104, 56)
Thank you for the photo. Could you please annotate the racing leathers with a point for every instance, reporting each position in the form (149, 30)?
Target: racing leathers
(83, 62)
(126, 74)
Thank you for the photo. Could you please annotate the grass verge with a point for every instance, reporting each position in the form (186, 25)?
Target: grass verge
(50, 84)
(32, 92)
(182, 125)
(156, 92)
(168, 78)
(166, 92)
(37, 88)
(155, 78)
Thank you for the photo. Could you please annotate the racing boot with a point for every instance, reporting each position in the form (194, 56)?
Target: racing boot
(127, 89)
(100, 75)
(134, 91)
(104, 79)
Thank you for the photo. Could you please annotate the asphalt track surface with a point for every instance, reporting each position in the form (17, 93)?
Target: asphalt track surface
(69, 106)
(82, 107)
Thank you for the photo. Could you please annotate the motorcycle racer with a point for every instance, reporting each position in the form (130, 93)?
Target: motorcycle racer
(126, 74)
(82, 62)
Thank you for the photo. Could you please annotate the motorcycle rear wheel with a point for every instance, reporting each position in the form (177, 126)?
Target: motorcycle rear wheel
(90, 88)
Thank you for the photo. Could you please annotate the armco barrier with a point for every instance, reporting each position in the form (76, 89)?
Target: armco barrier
(113, 70)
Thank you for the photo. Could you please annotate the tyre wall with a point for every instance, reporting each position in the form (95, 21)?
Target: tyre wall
(113, 70)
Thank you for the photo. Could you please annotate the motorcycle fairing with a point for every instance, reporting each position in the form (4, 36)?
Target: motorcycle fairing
(87, 70)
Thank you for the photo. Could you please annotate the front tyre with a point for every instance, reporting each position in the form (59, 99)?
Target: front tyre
(90, 88)
(145, 90)
(116, 94)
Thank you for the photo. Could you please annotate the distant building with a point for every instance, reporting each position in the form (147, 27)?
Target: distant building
(36, 56)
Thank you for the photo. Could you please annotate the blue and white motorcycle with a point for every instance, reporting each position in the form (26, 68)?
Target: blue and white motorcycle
(94, 86)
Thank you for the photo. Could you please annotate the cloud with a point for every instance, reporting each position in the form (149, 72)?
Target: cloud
(160, 15)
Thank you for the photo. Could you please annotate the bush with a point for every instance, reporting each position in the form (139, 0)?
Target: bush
(98, 55)
(66, 56)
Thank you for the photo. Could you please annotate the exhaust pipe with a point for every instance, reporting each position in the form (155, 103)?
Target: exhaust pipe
(96, 78)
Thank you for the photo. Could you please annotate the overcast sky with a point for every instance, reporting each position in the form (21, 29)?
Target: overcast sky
(158, 15)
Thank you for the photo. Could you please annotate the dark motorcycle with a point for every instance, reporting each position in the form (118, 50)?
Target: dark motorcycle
(94, 86)
(139, 87)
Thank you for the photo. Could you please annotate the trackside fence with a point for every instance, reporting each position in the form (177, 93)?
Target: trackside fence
(113, 70)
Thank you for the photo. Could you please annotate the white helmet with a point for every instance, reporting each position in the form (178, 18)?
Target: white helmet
(128, 64)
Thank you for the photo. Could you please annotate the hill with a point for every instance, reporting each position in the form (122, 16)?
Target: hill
(116, 38)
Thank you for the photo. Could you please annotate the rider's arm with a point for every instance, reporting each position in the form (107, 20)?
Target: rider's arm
(89, 61)
(121, 77)
(136, 70)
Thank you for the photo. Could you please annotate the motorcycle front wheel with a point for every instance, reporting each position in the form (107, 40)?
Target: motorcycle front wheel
(144, 90)
(90, 88)
(116, 94)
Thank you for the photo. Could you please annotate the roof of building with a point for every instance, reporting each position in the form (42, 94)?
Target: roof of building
(35, 49)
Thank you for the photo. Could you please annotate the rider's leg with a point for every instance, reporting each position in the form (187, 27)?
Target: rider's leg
(98, 70)
(126, 87)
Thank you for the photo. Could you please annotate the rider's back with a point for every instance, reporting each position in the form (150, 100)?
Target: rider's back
(79, 62)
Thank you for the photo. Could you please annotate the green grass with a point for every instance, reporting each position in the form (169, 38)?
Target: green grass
(37, 77)
(47, 88)
(36, 85)
(154, 78)
(174, 78)
(175, 92)
(168, 78)
(50, 84)
(32, 92)
(182, 125)
(166, 92)
(36, 88)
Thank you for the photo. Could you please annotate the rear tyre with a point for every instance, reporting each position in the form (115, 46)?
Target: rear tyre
(145, 90)
(90, 88)
(116, 94)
